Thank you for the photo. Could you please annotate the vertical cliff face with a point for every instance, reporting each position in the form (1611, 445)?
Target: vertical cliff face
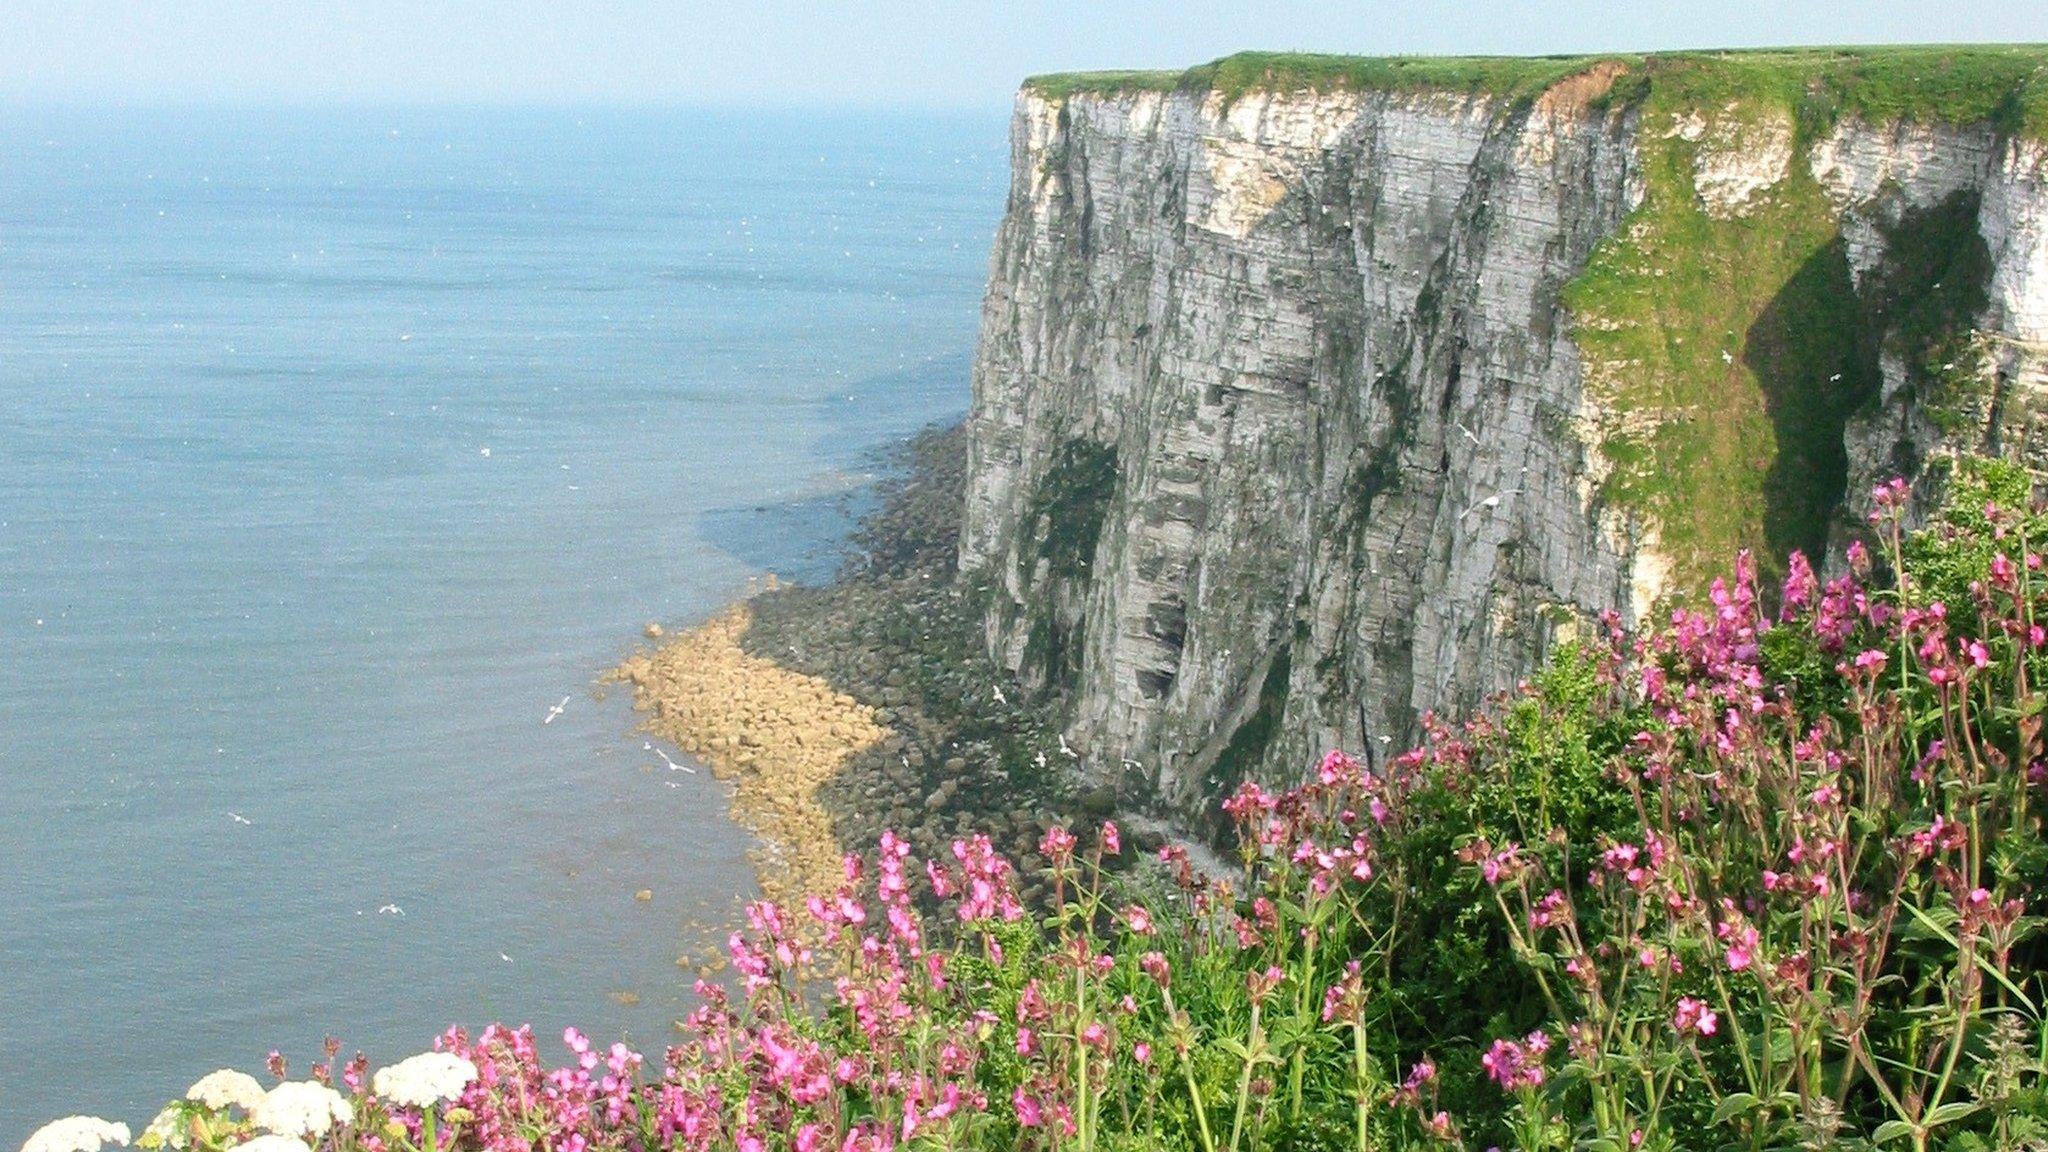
(1306, 405)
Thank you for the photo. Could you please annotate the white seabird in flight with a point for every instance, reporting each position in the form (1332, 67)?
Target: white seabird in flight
(673, 766)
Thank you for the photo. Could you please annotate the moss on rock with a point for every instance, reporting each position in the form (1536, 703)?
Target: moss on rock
(1066, 509)
(1246, 749)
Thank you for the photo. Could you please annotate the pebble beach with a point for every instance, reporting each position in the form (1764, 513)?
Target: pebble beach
(773, 734)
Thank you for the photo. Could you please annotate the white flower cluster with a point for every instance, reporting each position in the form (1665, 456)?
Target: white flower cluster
(76, 1134)
(300, 1108)
(424, 1080)
(226, 1087)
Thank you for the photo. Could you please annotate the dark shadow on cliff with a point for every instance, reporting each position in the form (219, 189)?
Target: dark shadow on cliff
(1805, 352)
(1816, 350)
(1921, 306)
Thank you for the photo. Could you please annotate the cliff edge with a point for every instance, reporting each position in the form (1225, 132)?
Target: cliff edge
(1316, 393)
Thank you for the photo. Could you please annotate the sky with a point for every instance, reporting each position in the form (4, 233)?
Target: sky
(882, 53)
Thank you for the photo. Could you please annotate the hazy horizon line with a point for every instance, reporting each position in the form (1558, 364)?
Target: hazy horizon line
(342, 101)
(487, 104)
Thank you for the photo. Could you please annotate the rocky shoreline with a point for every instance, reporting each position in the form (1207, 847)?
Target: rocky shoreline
(773, 734)
(867, 703)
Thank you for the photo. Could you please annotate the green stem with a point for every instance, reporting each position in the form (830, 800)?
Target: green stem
(1187, 1073)
(1254, 1046)
(1964, 1015)
(1081, 1054)
(1302, 1008)
(1362, 1060)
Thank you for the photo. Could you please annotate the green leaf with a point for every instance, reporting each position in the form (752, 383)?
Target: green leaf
(1735, 1104)
(1970, 1142)
(1890, 1130)
(1780, 1047)
(1977, 957)
(1952, 1111)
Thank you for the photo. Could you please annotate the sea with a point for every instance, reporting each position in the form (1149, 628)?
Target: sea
(342, 451)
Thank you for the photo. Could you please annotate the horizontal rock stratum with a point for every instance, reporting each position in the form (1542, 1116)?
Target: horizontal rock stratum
(1314, 393)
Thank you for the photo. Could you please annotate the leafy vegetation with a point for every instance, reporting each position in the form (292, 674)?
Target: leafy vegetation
(1747, 881)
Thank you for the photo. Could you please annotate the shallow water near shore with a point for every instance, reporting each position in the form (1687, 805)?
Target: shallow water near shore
(335, 452)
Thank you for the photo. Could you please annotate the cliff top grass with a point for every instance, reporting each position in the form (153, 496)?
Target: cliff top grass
(1236, 75)
(2006, 84)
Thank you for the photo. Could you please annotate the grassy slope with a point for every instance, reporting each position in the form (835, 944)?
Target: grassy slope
(1718, 339)
(1732, 351)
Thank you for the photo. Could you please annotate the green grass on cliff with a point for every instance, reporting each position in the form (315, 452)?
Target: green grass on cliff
(1725, 347)
(1734, 349)
(1245, 72)
(2006, 84)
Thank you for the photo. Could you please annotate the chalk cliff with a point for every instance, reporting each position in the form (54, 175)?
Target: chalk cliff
(1313, 394)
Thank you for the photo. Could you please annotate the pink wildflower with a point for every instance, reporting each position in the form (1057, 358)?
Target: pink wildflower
(1740, 941)
(1029, 1115)
(1549, 911)
(1515, 1066)
(1154, 965)
(1693, 1017)
(1057, 845)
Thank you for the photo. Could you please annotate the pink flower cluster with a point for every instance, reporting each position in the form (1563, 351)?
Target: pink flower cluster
(1516, 1065)
(1692, 1017)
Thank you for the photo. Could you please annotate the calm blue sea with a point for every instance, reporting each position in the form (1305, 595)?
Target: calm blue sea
(335, 450)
